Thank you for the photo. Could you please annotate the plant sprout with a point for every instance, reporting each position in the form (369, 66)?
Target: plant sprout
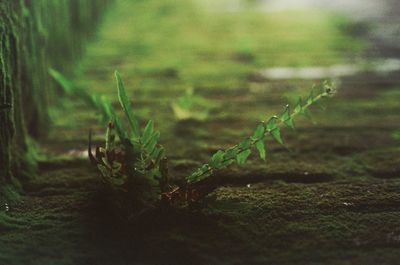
(135, 167)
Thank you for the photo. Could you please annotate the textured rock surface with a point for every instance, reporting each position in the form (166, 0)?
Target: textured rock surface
(35, 35)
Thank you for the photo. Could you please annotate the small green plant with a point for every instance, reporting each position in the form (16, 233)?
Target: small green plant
(192, 107)
(134, 166)
(137, 166)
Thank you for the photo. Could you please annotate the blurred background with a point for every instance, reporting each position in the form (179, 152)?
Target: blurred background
(204, 69)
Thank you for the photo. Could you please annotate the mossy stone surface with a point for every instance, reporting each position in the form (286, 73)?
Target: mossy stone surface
(330, 197)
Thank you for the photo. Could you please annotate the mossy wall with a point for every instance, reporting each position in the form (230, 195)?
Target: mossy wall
(36, 35)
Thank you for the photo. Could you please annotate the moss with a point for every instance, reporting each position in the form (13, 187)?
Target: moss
(204, 50)
(31, 43)
(9, 193)
(301, 217)
(338, 213)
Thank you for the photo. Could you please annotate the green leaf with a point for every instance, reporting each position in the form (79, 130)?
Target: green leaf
(148, 131)
(299, 106)
(259, 132)
(186, 101)
(310, 98)
(260, 146)
(110, 137)
(286, 114)
(271, 124)
(245, 144)
(105, 108)
(120, 129)
(241, 158)
(70, 88)
(200, 174)
(231, 153)
(152, 143)
(136, 145)
(67, 85)
(217, 158)
(226, 163)
(290, 123)
(159, 156)
(126, 106)
(287, 118)
(151, 147)
(276, 134)
(98, 105)
(274, 130)
(108, 114)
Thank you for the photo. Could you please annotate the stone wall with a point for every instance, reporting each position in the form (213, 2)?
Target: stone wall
(36, 35)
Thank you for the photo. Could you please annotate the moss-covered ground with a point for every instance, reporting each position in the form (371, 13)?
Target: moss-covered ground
(331, 197)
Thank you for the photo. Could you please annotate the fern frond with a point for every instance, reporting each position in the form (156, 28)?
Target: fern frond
(241, 152)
